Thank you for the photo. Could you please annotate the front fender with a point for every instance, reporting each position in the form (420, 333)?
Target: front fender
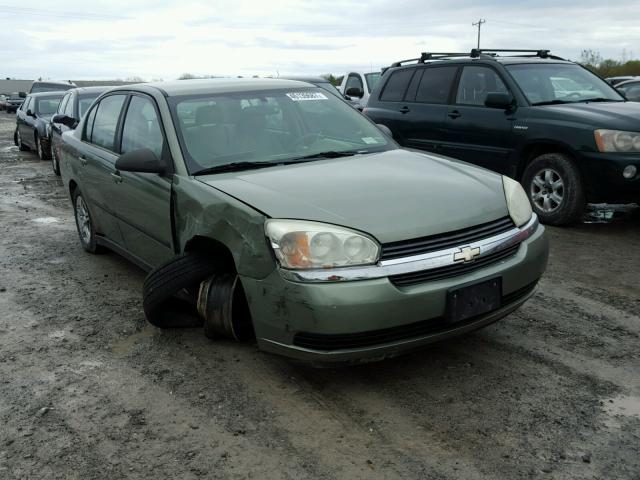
(200, 210)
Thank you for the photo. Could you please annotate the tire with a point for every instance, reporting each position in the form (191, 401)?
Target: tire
(21, 146)
(554, 187)
(42, 154)
(84, 223)
(169, 293)
(55, 164)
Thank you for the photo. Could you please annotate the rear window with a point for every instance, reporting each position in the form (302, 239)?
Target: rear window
(396, 86)
(48, 105)
(436, 84)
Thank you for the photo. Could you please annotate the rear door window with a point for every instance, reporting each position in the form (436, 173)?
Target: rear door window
(436, 84)
(475, 83)
(142, 127)
(397, 85)
(105, 123)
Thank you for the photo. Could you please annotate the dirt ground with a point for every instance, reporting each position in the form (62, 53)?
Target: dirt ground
(89, 390)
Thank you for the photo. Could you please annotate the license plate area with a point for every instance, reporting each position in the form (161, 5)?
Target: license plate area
(473, 300)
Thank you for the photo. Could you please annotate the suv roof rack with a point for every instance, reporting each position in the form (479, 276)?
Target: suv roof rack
(488, 53)
(477, 52)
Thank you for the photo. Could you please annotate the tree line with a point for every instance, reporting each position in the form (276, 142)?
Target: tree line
(609, 67)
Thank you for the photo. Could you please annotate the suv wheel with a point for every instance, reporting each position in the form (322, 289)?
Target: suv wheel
(84, 223)
(555, 189)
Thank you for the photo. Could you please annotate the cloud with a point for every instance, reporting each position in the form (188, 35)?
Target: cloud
(166, 38)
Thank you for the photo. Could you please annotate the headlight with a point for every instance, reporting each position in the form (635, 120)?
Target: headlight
(617, 141)
(517, 201)
(300, 244)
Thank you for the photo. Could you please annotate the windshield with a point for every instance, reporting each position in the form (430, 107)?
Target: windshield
(50, 87)
(85, 101)
(47, 106)
(329, 87)
(372, 79)
(561, 83)
(273, 126)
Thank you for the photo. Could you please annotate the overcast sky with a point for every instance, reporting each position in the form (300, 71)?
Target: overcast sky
(163, 39)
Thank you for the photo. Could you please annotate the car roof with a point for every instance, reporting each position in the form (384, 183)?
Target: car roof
(60, 93)
(486, 60)
(302, 78)
(629, 82)
(53, 82)
(216, 85)
(82, 90)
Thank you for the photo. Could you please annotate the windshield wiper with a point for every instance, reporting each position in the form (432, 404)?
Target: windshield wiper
(234, 167)
(551, 102)
(238, 166)
(599, 99)
(330, 154)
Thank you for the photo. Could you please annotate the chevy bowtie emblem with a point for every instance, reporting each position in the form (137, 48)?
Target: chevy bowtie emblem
(466, 254)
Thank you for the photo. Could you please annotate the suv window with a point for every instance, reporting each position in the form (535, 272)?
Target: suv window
(475, 83)
(142, 127)
(107, 113)
(396, 86)
(436, 84)
(354, 81)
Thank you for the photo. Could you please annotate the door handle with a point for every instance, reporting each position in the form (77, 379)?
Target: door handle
(116, 177)
(404, 109)
(83, 160)
(454, 114)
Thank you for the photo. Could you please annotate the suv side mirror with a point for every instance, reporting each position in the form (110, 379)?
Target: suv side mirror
(22, 94)
(64, 120)
(498, 100)
(141, 161)
(30, 113)
(354, 92)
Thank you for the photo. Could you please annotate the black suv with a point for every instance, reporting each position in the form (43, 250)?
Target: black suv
(563, 132)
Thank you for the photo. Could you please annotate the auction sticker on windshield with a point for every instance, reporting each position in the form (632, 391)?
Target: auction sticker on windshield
(302, 96)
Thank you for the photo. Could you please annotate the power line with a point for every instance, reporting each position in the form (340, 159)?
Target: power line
(479, 25)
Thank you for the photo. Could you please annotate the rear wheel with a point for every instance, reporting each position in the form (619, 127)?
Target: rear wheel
(42, 153)
(84, 223)
(555, 190)
(21, 146)
(54, 161)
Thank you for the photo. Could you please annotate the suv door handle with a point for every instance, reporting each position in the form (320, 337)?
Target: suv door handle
(404, 109)
(83, 160)
(116, 177)
(454, 114)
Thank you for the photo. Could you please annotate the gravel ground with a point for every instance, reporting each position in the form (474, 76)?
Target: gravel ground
(89, 390)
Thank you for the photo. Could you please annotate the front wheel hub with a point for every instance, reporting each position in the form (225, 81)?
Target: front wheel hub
(547, 190)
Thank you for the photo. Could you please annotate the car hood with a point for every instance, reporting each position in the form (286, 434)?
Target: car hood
(612, 115)
(392, 195)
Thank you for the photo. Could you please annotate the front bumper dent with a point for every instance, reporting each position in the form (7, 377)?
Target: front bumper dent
(283, 310)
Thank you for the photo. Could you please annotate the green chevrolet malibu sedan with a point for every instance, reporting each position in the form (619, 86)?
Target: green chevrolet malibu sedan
(276, 211)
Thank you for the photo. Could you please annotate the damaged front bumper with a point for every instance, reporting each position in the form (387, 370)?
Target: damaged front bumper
(373, 318)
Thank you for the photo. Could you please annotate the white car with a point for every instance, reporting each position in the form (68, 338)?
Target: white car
(358, 86)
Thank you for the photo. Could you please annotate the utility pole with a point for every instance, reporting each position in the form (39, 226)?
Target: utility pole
(479, 25)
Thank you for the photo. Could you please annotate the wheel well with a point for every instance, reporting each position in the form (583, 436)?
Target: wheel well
(212, 247)
(537, 149)
(72, 187)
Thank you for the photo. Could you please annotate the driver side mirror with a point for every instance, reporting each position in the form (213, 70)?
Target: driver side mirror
(141, 161)
(498, 100)
(384, 129)
(64, 120)
(354, 92)
(22, 94)
(30, 113)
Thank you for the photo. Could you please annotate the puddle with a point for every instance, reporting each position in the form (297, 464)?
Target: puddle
(622, 405)
(124, 345)
(46, 220)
